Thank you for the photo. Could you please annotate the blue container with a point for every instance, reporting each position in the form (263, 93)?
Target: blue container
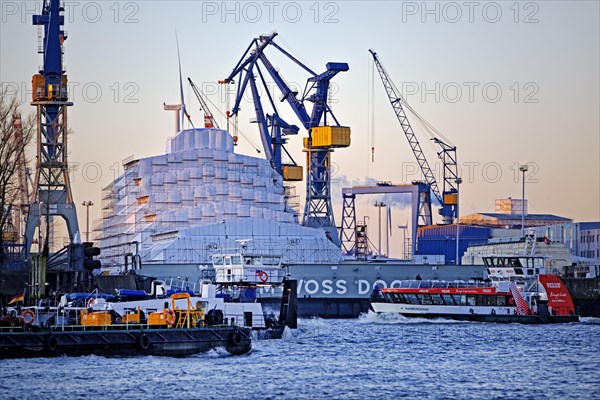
(442, 240)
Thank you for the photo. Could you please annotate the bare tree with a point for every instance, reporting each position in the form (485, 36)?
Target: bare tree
(12, 159)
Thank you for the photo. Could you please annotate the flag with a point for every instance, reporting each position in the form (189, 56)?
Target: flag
(17, 298)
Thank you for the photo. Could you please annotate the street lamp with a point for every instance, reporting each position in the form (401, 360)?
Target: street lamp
(523, 169)
(379, 204)
(87, 205)
(458, 182)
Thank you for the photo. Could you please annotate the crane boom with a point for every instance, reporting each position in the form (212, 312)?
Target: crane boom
(448, 198)
(396, 100)
(320, 124)
(209, 119)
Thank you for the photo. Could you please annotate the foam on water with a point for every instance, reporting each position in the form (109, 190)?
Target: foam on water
(394, 318)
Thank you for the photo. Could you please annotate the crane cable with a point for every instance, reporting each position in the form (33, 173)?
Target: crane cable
(426, 125)
(372, 111)
(237, 129)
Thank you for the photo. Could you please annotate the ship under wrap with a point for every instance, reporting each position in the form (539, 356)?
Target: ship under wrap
(198, 198)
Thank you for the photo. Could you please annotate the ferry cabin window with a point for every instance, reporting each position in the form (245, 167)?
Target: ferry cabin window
(460, 299)
(426, 299)
(490, 300)
(471, 300)
(501, 300)
(394, 298)
(479, 300)
(448, 299)
(218, 260)
(236, 260)
(514, 262)
(411, 298)
(437, 299)
(398, 298)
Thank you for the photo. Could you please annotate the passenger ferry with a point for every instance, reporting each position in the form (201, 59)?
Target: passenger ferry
(517, 290)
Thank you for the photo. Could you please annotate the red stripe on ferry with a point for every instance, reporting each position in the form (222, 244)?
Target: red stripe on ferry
(487, 290)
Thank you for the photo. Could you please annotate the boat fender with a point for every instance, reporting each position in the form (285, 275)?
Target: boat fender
(263, 276)
(28, 317)
(144, 341)
(235, 338)
(52, 343)
(170, 316)
(493, 312)
(471, 311)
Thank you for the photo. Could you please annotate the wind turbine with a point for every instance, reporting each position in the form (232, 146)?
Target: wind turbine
(181, 110)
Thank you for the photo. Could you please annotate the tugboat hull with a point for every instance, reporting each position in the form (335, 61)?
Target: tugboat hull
(124, 342)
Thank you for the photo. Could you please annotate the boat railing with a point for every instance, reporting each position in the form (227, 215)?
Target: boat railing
(257, 321)
(433, 284)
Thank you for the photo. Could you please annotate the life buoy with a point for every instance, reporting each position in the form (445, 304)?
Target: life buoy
(170, 316)
(28, 317)
(263, 276)
(91, 302)
(52, 343)
(144, 341)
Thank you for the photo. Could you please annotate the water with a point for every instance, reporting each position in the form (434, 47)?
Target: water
(370, 357)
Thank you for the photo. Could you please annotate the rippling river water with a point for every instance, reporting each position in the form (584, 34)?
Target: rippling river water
(370, 357)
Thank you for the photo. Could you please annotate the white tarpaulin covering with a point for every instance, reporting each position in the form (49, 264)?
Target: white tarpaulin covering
(200, 197)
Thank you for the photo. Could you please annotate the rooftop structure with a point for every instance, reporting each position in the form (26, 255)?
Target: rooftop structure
(502, 220)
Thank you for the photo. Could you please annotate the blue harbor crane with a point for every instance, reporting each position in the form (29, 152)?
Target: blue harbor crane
(51, 194)
(324, 131)
(448, 197)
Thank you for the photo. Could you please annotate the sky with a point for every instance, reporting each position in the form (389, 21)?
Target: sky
(508, 83)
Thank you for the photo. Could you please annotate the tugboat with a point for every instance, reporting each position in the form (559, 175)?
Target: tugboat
(517, 290)
(176, 330)
(239, 274)
(227, 292)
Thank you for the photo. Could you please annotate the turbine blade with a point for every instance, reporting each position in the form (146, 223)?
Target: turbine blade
(182, 98)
